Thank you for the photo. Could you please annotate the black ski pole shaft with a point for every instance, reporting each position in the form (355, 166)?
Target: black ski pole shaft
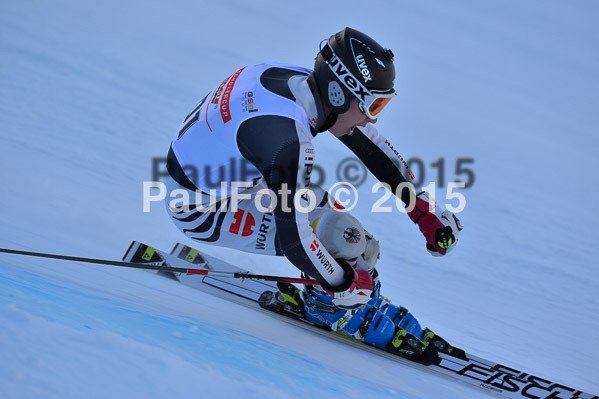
(201, 272)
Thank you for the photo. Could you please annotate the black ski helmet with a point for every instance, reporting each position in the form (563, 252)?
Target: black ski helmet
(351, 64)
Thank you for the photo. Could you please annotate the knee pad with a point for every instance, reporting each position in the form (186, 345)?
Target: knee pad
(368, 259)
(340, 233)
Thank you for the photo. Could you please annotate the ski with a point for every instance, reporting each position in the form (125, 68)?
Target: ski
(482, 373)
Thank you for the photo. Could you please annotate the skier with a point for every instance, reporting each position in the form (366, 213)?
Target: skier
(254, 131)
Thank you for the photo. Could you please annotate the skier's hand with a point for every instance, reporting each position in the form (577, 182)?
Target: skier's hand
(359, 291)
(440, 228)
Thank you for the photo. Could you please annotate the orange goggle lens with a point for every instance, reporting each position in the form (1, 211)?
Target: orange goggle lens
(377, 105)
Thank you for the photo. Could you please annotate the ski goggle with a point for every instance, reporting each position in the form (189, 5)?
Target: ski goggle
(371, 103)
(375, 105)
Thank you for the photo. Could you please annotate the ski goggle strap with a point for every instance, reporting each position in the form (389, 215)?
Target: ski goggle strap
(371, 104)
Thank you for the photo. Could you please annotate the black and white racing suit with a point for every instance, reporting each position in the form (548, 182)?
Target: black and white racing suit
(257, 126)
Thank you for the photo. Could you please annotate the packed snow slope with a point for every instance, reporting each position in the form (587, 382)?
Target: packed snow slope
(92, 92)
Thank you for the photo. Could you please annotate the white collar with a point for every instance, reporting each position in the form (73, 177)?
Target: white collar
(304, 97)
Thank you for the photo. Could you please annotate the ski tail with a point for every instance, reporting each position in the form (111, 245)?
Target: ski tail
(189, 254)
(142, 253)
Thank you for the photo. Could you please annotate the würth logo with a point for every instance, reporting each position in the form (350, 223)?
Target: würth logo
(248, 225)
(325, 262)
(314, 246)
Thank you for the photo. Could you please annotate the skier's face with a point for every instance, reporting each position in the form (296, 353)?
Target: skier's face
(347, 121)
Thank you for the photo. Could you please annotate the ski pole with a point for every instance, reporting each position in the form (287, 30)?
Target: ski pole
(201, 272)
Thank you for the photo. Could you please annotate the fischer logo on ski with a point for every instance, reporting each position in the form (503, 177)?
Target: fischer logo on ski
(510, 382)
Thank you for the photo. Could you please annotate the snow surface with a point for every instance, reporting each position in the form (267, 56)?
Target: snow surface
(90, 92)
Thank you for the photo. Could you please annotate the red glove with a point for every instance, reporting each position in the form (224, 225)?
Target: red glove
(440, 228)
(359, 291)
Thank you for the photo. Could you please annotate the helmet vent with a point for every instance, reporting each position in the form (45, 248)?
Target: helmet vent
(336, 96)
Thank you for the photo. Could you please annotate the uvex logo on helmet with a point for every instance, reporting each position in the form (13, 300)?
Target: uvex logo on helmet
(345, 76)
(363, 67)
(358, 46)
